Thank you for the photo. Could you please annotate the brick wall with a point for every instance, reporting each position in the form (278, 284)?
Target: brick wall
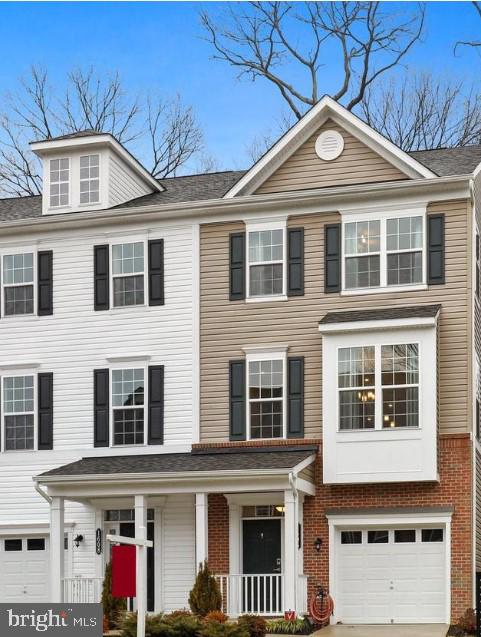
(454, 488)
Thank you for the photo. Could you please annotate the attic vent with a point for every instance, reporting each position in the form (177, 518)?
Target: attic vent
(329, 145)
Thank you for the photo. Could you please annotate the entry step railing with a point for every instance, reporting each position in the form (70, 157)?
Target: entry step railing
(259, 594)
(82, 590)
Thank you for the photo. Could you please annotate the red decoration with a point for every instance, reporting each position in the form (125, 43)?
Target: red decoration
(290, 615)
(123, 571)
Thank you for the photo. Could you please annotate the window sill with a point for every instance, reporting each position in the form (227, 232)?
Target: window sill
(384, 290)
(267, 299)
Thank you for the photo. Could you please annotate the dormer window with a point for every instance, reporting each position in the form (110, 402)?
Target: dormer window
(59, 182)
(89, 179)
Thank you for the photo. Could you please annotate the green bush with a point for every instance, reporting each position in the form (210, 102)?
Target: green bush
(177, 624)
(153, 625)
(219, 629)
(205, 595)
(255, 625)
(114, 608)
(216, 616)
(289, 627)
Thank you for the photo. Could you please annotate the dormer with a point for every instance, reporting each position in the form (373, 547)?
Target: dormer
(89, 170)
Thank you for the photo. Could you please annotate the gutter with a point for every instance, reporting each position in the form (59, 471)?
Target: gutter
(39, 490)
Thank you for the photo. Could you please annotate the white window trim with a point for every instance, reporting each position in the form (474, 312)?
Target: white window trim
(383, 215)
(267, 355)
(112, 276)
(91, 203)
(68, 204)
(378, 386)
(131, 365)
(20, 374)
(9, 252)
(279, 223)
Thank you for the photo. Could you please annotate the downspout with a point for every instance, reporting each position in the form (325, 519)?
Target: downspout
(43, 493)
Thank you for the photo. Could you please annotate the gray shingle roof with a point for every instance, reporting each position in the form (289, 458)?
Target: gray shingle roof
(381, 314)
(450, 161)
(225, 460)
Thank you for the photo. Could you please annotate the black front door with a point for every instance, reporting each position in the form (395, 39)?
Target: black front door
(127, 529)
(261, 550)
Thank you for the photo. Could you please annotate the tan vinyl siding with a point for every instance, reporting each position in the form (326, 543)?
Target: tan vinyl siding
(308, 473)
(357, 164)
(228, 326)
(478, 510)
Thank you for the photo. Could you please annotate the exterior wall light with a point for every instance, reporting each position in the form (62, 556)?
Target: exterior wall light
(78, 539)
(318, 544)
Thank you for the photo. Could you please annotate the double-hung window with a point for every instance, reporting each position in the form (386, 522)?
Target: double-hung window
(378, 386)
(18, 284)
(385, 252)
(59, 182)
(89, 179)
(266, 398)
(266, 267)
(128, 406)
(18, 412)
(128, 267)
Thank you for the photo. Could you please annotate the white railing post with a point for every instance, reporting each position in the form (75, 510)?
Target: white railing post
(290, 550)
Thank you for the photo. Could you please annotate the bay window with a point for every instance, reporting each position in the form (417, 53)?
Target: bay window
(384, 252)
(128, 406)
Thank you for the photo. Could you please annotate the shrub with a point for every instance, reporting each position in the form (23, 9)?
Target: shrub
(205, 595)
(255, 625)
(114, 608)
(176, 624)
(289, 627)
(216, 616)
(219, 629)
(468, 622)
(153, 625)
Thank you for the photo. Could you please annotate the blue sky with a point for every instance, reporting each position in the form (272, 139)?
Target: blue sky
(158, 46)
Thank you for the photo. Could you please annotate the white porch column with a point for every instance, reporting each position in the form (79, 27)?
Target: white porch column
(201, 528)
(57, 517)
(141, 533)
(234, 559)
(290, 551)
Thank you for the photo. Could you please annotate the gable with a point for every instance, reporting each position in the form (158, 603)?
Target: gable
(357, 164)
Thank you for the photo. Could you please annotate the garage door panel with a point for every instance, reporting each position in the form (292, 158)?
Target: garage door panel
(25, 573)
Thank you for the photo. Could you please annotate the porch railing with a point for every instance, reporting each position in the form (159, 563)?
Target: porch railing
(82, 590)
(252, 594)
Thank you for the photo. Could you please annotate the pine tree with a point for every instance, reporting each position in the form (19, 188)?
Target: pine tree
(205, 596)
(113, 607)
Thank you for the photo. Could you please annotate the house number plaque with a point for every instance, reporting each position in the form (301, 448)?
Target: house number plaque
(98, 541)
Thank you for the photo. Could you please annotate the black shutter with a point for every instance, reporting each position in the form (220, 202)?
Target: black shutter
(156, 405)
(156, 272)
(45, 283)
(237, 393)
(435, 249)
(237, 268)
(45, 410)
(101, 277)
(295, 262)
(332, 258)
(101, 407)
(295, 397)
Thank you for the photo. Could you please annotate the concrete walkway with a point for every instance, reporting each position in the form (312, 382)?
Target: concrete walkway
(399, 630)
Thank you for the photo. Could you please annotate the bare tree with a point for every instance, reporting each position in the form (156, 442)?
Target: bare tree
(473, 43)
(424, 112)
(289, 43)
(90, 102)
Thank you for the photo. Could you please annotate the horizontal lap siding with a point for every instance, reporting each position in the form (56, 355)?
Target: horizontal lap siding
(357, 164)
(228, 326)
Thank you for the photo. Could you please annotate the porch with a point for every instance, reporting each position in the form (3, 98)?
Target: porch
(167, 497)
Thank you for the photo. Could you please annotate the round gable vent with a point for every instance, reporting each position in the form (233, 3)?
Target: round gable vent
(329, 145)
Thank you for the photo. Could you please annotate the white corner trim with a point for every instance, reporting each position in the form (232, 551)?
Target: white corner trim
(195, 333)
(252, 351)
(19, 366)
(374, 326)
(128, 358)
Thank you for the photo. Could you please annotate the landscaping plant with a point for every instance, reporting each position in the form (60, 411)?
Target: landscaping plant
(289, 627)
(219, 629)
(216, 616)
(205, 595)
(113, 607)
(256, 626)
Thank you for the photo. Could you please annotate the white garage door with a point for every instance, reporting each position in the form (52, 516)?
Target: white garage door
(24, 566)
(391, 575)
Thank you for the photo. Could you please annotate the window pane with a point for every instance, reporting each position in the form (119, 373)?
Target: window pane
(266, 280)
(59, 182)
(351, 537)
(128, 426)
(35, 544)
(400, 364)
(405, 233)
(404, 268)
(19, 432)
(267, 245)
(362, 272)
(18, 300)
(127, 387)
(128, 290)
(266, 419)
(13, 545)
(356, 409)
(400, 407)
(18, 394)
(265, 379)
(356, 367)
(432, 535)
(128, 258)
(405, 535)
(18, 268)
(362, 237)
(378, 537)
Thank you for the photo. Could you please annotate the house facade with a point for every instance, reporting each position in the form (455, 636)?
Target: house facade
(276, 370)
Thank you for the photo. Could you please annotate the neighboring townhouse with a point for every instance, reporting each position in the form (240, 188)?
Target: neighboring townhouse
(273, 370)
